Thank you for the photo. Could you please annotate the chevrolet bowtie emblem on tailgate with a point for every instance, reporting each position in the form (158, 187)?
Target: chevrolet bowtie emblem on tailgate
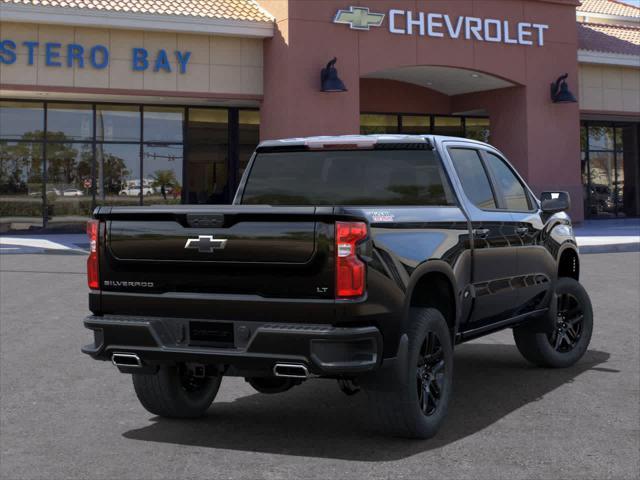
(206, 243)
(359, 18)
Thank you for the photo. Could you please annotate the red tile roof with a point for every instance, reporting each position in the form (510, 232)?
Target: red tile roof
(609, 7)
(609, 38)
(223, 9)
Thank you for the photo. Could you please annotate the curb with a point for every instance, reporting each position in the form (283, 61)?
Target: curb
(619, 248)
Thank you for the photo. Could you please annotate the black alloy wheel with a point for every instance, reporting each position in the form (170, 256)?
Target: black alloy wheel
(569, 324)
(430, 374)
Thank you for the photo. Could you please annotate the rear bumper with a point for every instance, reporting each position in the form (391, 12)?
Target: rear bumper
(325, 350)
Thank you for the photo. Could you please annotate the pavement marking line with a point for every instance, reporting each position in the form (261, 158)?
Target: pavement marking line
(619, 240)
(32, 242)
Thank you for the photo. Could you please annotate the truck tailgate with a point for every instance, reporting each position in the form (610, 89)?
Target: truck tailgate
(245, 250)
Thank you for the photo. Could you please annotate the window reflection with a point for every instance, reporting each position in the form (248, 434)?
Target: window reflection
(162, 181)
(450, 126)
(67, 122)
(163, 124)
(207, 156)
(378, 124)
(118, 123)
(21, 185)
(248, 139)
(478, 129)
(21, 120)
(118, 174)
(416, 124)
(69, 182)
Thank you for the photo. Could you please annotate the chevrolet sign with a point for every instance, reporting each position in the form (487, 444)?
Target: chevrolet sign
(441, 25)
(359, 18)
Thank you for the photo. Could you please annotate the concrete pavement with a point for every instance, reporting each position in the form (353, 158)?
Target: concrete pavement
(65, 416)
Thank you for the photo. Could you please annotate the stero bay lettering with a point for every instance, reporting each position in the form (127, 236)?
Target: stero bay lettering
(97, 56)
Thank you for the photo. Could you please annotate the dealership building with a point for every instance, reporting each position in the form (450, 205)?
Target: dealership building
(108, 102)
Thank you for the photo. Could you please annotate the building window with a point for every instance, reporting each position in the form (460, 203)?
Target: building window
(449, 126)
(207, 155)
(378, 123)
(21, 185)
(58, 160)
(477, 128)
(248, 138)
(610, 170)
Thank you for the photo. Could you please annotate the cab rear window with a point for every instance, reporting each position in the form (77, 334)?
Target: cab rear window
(358, 177)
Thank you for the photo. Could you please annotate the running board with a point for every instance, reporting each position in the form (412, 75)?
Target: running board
(494, 327)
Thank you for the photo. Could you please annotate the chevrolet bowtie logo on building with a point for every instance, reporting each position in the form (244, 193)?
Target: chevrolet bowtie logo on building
(359, 18)
(205, 244)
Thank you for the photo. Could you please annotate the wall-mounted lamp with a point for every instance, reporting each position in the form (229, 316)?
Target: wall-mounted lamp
(329, 80)
(560, 92)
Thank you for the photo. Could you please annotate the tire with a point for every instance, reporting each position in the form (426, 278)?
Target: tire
(570, 339)
(173, 393)
(402, 408)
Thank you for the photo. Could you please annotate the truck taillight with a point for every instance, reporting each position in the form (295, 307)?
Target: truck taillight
(93, 229)
(350, 270)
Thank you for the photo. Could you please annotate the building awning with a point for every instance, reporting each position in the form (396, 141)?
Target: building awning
(223, 17)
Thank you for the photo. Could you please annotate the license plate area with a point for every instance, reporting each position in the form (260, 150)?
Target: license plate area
(211, 334)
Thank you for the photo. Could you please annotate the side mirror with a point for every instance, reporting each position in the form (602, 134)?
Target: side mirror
(554, 202)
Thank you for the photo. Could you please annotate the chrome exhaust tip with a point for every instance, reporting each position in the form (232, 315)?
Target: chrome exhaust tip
(290, 370)
(126, 360)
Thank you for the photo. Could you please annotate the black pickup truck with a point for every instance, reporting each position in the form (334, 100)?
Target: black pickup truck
(360, 258)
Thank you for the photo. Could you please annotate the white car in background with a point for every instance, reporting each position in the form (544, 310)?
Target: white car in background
(135, 190)
(72, 192)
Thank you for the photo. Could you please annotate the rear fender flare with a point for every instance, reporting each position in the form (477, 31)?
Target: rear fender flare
(425, 268)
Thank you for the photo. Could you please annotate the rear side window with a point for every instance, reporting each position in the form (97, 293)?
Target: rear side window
(509, 187)
(473, 177)
(358, 177)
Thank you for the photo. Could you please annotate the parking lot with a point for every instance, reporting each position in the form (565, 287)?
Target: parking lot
(64, 415)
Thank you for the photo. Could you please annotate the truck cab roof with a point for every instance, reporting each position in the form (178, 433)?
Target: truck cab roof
(358, 141)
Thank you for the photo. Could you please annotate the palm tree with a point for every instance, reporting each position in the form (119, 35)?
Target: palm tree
(164, 179)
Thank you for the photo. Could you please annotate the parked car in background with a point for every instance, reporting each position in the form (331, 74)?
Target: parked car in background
(136, 191)
(72, 192)
(50, 191)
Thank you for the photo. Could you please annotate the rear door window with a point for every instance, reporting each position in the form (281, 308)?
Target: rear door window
(473, 177)
(358, 177)
(509, 188)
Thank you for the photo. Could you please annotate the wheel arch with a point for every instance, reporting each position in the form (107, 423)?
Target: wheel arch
(434, 285)
(569, 262)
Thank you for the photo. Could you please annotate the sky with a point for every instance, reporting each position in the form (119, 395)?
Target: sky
(635, 3)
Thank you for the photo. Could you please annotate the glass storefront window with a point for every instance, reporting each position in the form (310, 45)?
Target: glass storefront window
(477, 129)
(21, 120)
(163, 124)
(416, 124)
(67, 122)
(378, 124)
(21, 185)
(248, 138)
(207, 155)
(118, 123)
(109, 154)
(602, 200)
(451, 126)
(118, 174)
(611, 169)
(69, 181)
(601, 138)
(162, 168)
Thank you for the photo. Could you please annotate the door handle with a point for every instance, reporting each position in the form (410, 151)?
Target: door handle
(481, 233)
(522, 231)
